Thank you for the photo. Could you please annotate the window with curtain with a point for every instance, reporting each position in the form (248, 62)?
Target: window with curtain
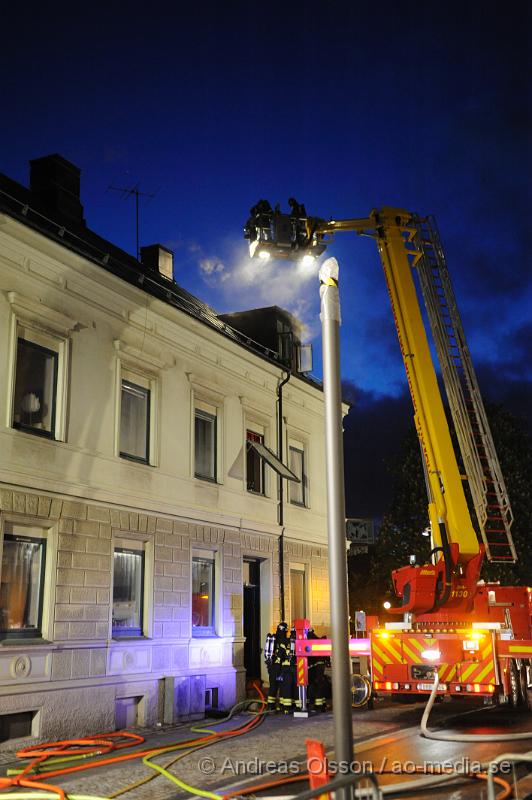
(296, 463)
(202, 596)
(22, 586)
(35, 388)
(298, 594)
(205, 445)
(135, 422)
(254, 465)
(128, 591)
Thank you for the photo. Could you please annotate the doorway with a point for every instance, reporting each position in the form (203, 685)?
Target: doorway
(252, 645)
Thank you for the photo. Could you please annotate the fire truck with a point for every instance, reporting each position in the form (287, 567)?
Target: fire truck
(476, 635)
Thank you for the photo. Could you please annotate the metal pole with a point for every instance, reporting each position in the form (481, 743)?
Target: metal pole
(338, 587)
(281, 492)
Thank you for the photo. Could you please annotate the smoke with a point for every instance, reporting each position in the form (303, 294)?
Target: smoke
(243, 283)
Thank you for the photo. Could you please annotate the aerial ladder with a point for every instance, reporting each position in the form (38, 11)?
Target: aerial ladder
(477, 635)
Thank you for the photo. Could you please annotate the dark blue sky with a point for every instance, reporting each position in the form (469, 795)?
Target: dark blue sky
(422, 105)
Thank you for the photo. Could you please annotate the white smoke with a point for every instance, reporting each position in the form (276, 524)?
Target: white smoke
(247, 283)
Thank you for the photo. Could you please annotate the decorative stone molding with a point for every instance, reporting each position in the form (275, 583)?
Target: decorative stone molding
(141, 359)
(20, 667)
(36, 314)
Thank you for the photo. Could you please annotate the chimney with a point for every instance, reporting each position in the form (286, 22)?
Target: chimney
(54, 182)
(159, 259)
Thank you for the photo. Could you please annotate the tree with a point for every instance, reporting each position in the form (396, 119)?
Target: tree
(400, 534)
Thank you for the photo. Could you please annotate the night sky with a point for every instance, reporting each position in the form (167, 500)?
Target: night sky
(347, 107)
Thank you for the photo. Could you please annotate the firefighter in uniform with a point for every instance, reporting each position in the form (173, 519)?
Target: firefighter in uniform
(283, 658)
(274, 654)
(316, 678)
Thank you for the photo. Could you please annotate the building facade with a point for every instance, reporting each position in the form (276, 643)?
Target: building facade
(139, 486)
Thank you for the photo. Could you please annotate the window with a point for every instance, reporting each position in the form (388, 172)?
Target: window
(22, 583)
(298, 594)
(128, 589)
(135, 420)
(285, 341)
(203, 595)
(205, 445)
(17, 726)
(34, 407)
(254, 464)
(296, 464)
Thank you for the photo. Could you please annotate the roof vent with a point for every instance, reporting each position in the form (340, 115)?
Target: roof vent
(159, 259)
(55, 183)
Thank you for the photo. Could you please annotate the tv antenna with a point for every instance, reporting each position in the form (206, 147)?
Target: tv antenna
(135, 192)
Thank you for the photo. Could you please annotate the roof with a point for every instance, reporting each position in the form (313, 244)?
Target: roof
(21, 204)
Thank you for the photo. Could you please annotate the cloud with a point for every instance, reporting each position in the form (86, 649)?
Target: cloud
(210, 266)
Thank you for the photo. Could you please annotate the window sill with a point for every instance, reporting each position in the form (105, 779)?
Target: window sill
(21, 641)
(130, 638)
(212, 481)
(135, 460)
(207, 634)
(40, 432)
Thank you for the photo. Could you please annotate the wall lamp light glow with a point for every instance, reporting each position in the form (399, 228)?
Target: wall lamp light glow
(430, 655)
(386, 604)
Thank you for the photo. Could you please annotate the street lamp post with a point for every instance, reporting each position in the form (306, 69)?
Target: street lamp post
(338, 587)
(288, 236)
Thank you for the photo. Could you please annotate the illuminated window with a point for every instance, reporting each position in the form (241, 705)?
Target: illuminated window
(128, 589)
(22, 582)
(205, 444)
(254, 465)
(298, 594)
(202, 596)
(296, 464)
(135, 420)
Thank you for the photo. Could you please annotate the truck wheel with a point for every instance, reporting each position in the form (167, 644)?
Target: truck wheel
(515, 685)
(525, 682)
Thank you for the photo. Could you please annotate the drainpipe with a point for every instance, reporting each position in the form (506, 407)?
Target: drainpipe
(280, 512)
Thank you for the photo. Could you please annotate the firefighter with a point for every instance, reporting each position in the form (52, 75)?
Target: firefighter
(274, 651)
(284, 659)
(316, 678)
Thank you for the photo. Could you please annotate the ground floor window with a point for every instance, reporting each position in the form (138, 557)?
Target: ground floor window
(22, 583)
(298, 594)
(128, 590)
(203, 590)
